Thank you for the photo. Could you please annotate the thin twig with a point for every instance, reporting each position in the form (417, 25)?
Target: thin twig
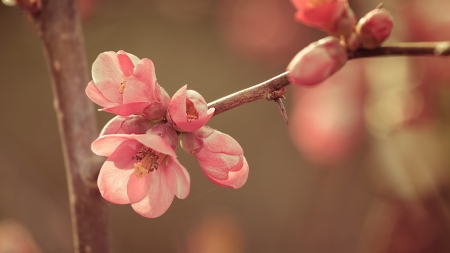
(60, 29)
(261, 90)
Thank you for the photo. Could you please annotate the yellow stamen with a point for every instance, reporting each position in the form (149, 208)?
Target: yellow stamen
(148, 161)
(122, 86)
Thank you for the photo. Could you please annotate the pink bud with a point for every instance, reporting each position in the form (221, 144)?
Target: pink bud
(374, 28)
(219, 155)
(133, 124)
(188, 110)
(317, 62)
(322, 14)
(344, 24)
(352, 42)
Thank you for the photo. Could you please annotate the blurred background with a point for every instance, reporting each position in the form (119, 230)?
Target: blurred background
(363, 166)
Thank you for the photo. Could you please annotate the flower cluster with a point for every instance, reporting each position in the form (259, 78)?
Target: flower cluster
(322, 59)
(142, 167)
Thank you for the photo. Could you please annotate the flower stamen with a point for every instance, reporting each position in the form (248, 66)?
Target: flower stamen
(191, 112)
(148, 161)
(122, 86)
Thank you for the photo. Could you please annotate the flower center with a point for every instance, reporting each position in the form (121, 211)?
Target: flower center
(314, 3)
(191, 112)
(148, 161)
(122, 86)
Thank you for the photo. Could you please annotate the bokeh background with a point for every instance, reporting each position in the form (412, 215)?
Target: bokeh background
(363, 166)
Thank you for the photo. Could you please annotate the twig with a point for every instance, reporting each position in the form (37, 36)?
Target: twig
(261, 90)
(60, 30)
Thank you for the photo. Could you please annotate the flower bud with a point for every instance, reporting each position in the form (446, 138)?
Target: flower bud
(344, 24)
(219, 155)
(317, 62)
(374, 28)
(352, 42)
(188, 110)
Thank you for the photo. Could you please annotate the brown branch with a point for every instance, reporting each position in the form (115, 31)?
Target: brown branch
(60, 29)
(261, 90)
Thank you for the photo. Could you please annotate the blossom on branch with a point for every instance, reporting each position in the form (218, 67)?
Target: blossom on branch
(219, 155)
(125, 85)
(188, 110)
(317, 62)
(333, 16)
(374, 28)
(142, 170)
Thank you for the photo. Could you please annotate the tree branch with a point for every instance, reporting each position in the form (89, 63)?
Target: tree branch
(60, 30)
(261, 90)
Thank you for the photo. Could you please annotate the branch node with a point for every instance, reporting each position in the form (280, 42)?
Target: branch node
(282, 110)
(442, 49)
(276, 94)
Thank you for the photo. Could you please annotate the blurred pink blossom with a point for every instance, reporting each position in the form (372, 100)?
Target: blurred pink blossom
(142, 170)
(219, 155)
(125, 85)
(327, 120)
(332, 16)
(188, 110)
(317, 62)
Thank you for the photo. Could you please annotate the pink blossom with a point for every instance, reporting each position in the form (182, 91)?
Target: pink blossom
(374, 28)
(317, 62)
(219, 155)
(327, 121)
(142, 170)
(325, 14)
(125, 85)
(188, 110)
(133, 124)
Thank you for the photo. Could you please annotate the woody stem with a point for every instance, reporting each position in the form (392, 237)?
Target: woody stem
(261, 90)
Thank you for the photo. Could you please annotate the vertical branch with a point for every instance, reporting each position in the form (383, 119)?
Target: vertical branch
(60, 29)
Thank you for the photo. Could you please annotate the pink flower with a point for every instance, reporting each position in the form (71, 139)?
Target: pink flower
(125, 85)
(133, 124)
(188, 111)
(142, 170)
(327, 121)
(219, 155)
(317, 62)
(332, 16)
(374, 28)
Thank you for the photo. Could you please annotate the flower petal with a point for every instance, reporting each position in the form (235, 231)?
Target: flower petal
(133, 124)
(156, 143)
(145, 71)
(177, 105)
(97, 97)
(107, 75)
(216, 165)
(107, 144)
(158, 198)
(138, 90)
(127, 109)
(112, 183)
(196, 124)
(177, 178)
(236, 179)
(219, 142)
(138, 187)
(125, 63)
